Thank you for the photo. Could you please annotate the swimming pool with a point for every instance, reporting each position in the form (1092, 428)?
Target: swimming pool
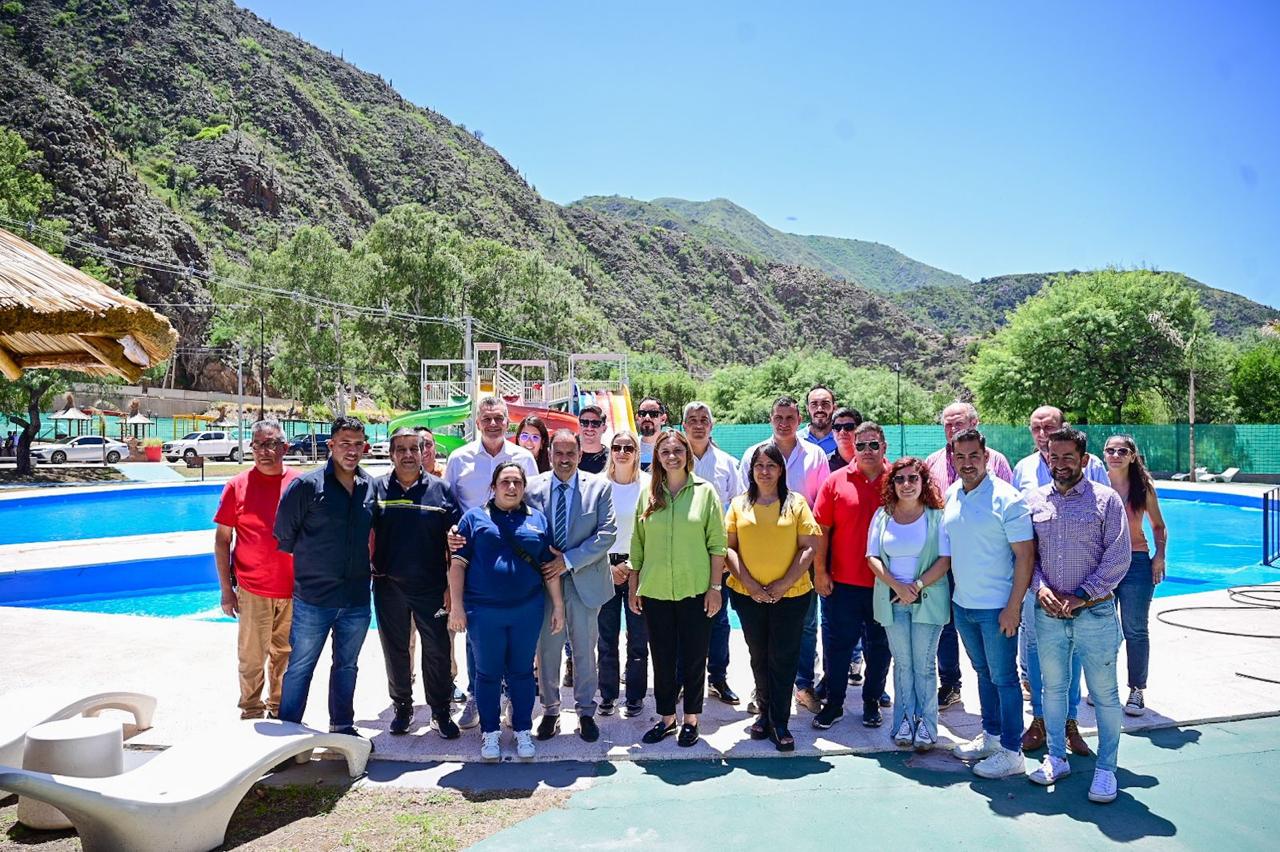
(1214, 545)
(113, 511)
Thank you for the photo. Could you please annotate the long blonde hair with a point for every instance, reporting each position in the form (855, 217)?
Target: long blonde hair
(610, 468)
(658, 473)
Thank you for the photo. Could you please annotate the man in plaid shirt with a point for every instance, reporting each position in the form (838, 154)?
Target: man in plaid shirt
(1082, 552)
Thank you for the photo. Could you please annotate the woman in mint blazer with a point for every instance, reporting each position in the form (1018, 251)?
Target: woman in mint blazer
(911, 598)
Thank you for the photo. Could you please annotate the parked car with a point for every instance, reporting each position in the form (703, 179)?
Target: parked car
(219, 444)
(84, 448)
(313, 446)
(380, 450)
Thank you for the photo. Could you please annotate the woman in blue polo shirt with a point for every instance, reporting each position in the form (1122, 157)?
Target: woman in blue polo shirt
(496, 590)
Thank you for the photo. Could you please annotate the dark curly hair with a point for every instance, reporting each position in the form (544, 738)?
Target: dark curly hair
(930, 494)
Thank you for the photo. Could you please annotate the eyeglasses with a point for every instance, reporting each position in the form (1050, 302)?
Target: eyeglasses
(644, 412)
(590, 424)
(867, 445)
(1116, 451)
(625, 449)
(904, 478)
(530, 436)
(269, 446)
(844, 427)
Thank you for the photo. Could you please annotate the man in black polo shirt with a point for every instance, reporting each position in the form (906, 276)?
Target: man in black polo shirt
(324, 520)
(413, 512)
(591, 426)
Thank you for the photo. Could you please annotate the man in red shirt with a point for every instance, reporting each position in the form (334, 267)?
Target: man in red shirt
(256, 578)
(846, 503)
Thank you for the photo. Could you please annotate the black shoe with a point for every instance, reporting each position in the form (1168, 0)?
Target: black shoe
(688, 735)
(948, 695)
(720, 689)
(568, 673)
(548, 727)
(459, 697)
(828, 716)
(782, 739)
(403, 719)
(446, 726)
(885, 700)
(633, 709)
(658, 732)
(588, 729)
(606, 708)
(871, 717)
(760, 728)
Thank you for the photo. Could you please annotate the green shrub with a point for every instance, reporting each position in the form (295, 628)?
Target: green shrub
(212, 132)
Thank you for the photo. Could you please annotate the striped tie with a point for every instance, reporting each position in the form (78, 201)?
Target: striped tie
(562, 516)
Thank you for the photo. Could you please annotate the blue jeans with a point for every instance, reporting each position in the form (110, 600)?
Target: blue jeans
(504, 640)
(995, 660)
(1094, 634)
(718, 649)
(949, 651)
(610, 622)
(1134, 597)
(307, 634)
(806, 668)
(914, 646)
(1027, 653)
(848, 616)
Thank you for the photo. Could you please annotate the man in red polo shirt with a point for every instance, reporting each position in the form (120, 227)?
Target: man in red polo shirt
(256, 578)
(846, 504)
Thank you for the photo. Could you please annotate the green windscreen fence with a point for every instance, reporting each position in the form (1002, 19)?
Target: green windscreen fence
(1252, 448)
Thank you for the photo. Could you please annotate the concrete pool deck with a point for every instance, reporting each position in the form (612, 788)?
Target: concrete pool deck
(190, 666)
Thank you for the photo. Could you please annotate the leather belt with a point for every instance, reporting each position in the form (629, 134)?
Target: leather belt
(1086, 605)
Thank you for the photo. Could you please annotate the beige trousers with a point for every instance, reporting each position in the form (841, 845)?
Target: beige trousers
(263, 650)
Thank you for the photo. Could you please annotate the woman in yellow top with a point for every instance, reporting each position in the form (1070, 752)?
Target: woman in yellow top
(677, 560)
(772, 537)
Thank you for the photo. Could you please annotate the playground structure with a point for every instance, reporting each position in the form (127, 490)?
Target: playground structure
(450, 388)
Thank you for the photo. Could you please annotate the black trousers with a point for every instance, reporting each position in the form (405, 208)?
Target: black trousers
(773, 633)
(611, 615)
(678, 628)
(396, 610)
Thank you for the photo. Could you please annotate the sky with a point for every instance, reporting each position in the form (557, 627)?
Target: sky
(982, 138)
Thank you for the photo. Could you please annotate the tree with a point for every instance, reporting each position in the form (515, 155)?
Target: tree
(1256, 381)
(1088, 343)
(24, 193)
(23, 402)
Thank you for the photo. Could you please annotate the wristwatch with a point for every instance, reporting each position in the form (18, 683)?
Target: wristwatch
(715, 587)
(919, 584)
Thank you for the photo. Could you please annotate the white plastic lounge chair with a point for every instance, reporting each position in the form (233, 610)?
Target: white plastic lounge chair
(1183, 477)
(183, 798)
(1226, 476)
(23, 709)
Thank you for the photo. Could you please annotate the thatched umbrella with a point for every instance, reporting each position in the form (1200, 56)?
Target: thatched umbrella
(53, 315)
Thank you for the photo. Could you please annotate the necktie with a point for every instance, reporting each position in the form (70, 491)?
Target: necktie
(562, 516)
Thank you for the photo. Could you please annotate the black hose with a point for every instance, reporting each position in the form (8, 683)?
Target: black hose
(1249, 598)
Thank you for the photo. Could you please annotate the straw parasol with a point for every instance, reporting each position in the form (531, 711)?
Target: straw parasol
(53, 315)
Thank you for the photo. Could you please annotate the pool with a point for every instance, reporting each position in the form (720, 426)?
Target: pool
(1214, 545)
(109, 512)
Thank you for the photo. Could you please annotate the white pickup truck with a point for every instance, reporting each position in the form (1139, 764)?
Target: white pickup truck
(210, 445)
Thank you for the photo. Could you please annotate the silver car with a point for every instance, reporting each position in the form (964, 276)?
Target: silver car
(86, 448)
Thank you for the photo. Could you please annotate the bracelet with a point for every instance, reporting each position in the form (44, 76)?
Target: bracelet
(715, 587)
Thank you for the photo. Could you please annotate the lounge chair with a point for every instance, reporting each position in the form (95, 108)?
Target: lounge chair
(183, 798)
(23, 709)
(1226, 476)
(1201, 472)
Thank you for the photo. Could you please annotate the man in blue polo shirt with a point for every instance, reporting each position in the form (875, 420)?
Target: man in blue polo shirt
(412, 515)
(324, 520)
(987, 532)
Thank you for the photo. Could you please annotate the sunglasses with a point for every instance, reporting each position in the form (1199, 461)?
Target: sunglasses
(1116, 451)
(590, 424)
(844, 427)
(904, 478)
(626, 449)
(867, 445)
(647, 413)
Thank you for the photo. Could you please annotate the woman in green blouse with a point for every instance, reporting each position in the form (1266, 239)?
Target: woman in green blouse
(677, 559)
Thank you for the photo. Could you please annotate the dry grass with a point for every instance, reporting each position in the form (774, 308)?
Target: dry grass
(57, 475)
(308, 817)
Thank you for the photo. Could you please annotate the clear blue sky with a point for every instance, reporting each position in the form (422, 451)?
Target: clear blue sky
(983, 138)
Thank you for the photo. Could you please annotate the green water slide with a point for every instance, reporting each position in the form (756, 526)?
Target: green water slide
(435, 418)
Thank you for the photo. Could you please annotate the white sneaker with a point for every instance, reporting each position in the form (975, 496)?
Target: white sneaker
(1135, 706)
(470, 715)
(1051, 771)
(489, 748)
(1103, 788)
(924, 740)
(524, 744)
(1002, 764)
(906, 733)
(983, 745)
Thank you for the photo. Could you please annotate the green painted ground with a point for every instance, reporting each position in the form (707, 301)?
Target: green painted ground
(1214, 787)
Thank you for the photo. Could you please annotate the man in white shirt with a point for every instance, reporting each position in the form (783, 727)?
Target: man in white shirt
(721, 470)
(468, 474)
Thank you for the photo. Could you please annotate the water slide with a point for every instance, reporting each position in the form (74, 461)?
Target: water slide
(618, 406)
(551, 417)
(435, 418)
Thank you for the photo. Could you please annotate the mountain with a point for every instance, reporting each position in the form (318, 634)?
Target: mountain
(725, 224)
(193, 133)
(983, 306)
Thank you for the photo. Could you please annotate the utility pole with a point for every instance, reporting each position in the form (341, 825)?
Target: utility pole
(262, 367)
(240, 402)
(469, 430)
(902, 429)
(342, 390)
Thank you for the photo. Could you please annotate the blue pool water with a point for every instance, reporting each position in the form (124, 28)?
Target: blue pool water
(1212, 546)
(108, 513)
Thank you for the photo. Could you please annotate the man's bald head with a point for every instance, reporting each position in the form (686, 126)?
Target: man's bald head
(1045, 420)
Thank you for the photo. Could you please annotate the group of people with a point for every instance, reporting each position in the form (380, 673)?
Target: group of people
(542, 548)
